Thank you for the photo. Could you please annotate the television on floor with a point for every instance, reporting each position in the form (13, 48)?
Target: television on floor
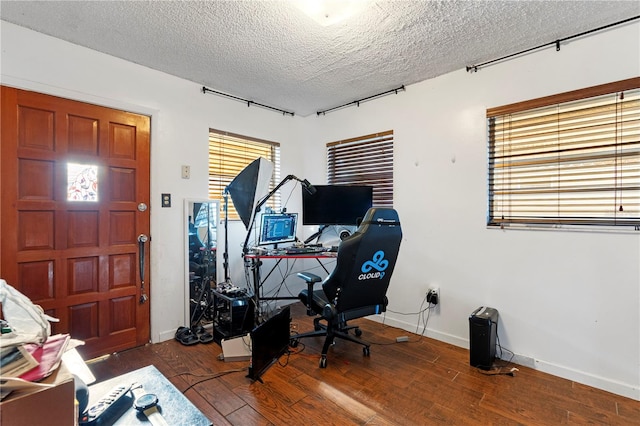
(269, 341)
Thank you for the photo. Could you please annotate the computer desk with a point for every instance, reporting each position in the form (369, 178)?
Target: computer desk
(256, 263)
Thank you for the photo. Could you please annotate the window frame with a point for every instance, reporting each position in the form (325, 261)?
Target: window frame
(229, 154)
(345, 164)
(496, 215)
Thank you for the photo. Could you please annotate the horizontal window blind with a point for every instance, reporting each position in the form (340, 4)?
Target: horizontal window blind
(229, 154)
(365, 160)
(571, 163)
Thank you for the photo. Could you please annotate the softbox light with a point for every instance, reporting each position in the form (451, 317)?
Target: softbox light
(251, 184)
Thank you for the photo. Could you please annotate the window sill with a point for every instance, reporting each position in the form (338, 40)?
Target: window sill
(568, 228)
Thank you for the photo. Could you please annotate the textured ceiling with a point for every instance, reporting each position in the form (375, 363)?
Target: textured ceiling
(271, 53)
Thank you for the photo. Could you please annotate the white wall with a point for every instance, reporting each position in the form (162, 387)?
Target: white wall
(569, 302)
(181, 116)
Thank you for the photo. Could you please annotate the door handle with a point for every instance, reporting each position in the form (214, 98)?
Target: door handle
(142, 239)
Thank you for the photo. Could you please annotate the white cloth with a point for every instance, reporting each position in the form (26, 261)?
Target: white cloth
(28, 321)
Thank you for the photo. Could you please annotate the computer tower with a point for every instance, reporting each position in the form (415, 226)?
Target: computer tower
(483, 330)
(233, 315)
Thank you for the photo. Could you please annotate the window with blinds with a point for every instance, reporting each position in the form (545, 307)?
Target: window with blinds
(229, 154)
(365, 160)
(569, 159)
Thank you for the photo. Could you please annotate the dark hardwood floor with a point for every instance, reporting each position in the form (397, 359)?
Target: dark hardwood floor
(419, 382)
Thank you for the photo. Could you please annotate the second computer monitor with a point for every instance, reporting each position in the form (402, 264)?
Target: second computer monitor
(336, 204)
(278, 228)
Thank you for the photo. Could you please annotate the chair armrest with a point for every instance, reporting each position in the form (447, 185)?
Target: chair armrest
(309, 278)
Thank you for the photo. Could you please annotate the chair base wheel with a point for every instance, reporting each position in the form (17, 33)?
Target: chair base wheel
(358, 332)
(293, 343)
(366, 351)
(323, 362)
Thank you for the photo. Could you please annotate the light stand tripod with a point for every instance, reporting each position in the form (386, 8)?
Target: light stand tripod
(225, 255)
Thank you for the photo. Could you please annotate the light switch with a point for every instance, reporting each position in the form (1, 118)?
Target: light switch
(166, 200)
(186, 172)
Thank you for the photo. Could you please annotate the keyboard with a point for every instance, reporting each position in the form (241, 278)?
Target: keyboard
(304, 250)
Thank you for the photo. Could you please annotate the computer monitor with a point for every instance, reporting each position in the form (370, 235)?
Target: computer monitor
(278, 228)
(269, 341)
(336, 204)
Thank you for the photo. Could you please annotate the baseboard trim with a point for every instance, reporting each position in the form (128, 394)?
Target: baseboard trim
(619, 388)
(164, 336)
(434, 334)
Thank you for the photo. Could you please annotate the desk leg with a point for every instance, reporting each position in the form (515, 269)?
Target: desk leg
(322, 264)
(255, 269)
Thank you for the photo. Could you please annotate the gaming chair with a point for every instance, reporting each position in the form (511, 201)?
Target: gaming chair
(358, 285)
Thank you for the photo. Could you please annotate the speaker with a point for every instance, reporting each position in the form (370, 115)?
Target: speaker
(483, 330)
(334, 234)
(344, 234)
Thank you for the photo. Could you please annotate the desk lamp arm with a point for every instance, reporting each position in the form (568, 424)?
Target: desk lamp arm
(305, 184)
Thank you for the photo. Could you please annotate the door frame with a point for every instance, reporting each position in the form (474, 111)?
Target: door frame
(155, 335)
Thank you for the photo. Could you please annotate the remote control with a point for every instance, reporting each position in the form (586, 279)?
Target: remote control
(93, 413)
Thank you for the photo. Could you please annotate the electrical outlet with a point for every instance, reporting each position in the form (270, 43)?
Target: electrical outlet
(186, 172)
(166, 200)
(433, 296)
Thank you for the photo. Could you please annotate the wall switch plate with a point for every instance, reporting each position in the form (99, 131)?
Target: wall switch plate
(166, 200)
(186, 172)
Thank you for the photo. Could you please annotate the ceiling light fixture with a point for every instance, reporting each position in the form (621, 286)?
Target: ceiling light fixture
(329, 12)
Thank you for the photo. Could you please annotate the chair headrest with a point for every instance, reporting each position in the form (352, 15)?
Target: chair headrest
(381, 216)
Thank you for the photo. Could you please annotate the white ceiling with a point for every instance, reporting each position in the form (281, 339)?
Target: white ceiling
(271, 53)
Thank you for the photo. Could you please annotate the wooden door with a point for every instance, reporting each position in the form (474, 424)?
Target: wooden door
(72, 179)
